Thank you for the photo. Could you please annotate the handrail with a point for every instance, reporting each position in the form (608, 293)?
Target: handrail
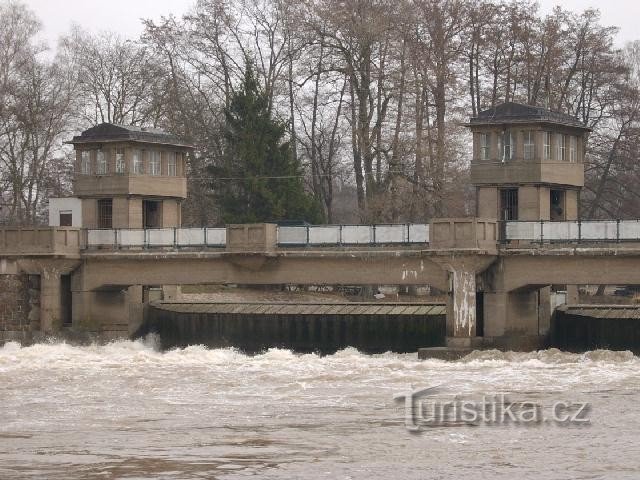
(288, 236)
(544, 231)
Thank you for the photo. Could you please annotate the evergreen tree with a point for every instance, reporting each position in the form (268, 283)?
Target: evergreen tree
(260, 180)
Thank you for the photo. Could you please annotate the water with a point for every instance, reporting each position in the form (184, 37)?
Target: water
(126, 410)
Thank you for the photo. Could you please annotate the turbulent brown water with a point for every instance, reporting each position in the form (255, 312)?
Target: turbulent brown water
(126, 410)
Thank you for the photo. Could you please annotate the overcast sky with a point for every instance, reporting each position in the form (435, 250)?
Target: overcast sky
(123, 16)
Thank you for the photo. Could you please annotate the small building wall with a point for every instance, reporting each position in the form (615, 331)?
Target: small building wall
(68, 204)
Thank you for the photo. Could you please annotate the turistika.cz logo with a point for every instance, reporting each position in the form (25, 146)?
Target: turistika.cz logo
(423, 409)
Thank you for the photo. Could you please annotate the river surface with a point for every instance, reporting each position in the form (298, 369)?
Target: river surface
(126, 410)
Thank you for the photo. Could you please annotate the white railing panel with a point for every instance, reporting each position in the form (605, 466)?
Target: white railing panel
(391, 234)
(190, 236)
(630, 230)
(329, 235)
(161, 237)
(292, 235)
(523, 230)
(357, 234)
(101, 237)
(560, 231)
(216, 237)
(131, 238)
(418, 233)
(599, 231)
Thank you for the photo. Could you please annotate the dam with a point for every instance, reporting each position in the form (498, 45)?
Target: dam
(91, 270)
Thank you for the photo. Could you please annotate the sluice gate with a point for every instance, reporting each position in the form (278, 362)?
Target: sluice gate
(322, 328)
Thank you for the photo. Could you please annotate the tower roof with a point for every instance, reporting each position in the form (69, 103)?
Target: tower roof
(512, 112)
(110, 132)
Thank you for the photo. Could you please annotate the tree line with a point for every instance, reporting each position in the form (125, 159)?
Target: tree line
(366, 99)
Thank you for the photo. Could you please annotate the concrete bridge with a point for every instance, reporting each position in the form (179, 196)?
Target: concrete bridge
(498, 287)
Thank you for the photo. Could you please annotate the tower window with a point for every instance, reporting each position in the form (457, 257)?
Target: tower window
(105, 213)
(573, 149)
(155, 165)
(120, 165)
(506, 146)
(509, 204)
(138, 167)
(547, 145)
(529, 145)
(85, 162)
(485, 146)
(562, 147)
(171, 164)
(101, 163)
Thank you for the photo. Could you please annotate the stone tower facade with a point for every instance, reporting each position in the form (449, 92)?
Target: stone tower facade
(528, 163)
(130, 177)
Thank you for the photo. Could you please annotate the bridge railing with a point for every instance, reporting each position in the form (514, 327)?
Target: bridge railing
(157, 237)
(336, 235)
(287, 236)
(573, 231)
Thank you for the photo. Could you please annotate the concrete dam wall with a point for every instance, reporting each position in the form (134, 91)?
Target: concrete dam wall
(323, 328)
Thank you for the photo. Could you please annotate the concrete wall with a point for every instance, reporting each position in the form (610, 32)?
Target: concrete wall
(519, 173)
(148, 185)
(171, 216)
(487, 202)
(68, 204)
(120, 212)
(135, 213)
(533, 203)
(89, 213)
(19, 305)
(572, 204)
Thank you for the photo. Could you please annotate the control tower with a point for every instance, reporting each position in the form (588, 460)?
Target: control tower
(128, 177)
(528, 163)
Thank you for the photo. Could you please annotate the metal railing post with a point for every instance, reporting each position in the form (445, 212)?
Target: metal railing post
(373, 228)
(580, 231)
(175, 237)
(206, 241)
(541, 232)
(618, 231)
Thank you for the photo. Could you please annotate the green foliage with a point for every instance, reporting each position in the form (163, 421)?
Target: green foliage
(259, 180)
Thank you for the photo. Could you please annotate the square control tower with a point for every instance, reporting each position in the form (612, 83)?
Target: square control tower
(130, 177)
(528, 163)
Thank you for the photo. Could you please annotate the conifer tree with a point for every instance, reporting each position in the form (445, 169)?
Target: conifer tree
(260, 180)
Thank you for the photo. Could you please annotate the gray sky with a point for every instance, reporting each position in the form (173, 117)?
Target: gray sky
(123, 16)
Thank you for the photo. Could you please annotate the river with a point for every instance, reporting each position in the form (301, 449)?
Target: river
(127, 410)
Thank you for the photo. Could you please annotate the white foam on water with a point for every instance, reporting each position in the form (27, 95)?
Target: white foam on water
(68, 410)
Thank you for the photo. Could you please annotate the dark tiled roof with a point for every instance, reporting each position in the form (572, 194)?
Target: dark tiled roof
(520, 113)
(110, 132)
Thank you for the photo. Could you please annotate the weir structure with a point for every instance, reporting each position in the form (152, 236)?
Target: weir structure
(497, 268)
